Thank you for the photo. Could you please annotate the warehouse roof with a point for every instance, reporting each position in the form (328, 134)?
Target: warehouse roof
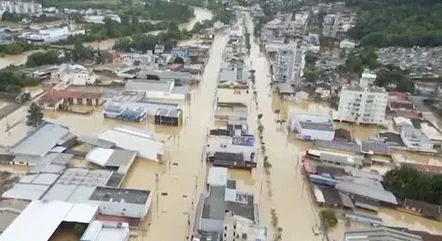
(41, 141)
(368, 191)
(379, 234)
(40, 219)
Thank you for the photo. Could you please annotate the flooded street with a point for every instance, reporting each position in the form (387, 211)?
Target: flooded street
(290, 196)
(182, 173)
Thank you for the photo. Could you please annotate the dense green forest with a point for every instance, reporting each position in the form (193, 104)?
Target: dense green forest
(406, 23)
(407, 182)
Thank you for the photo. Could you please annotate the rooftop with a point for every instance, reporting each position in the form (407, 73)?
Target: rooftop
(106, 231)
(379, 234)
(313, 122)
(151, 85)
(109, 194)
(40, 141)
(217, 176)
(40, 219)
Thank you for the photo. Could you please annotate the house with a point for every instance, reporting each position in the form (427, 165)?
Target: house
(367, 78)
(230, 111)
(237, 226)
(347, 44)
(312, 127)
(415, 139)
(212, 208)
(132, 203)
(363, 105)
(56, 99)
(158, 89)
(169, 117)
(234, 152)
(159, 48)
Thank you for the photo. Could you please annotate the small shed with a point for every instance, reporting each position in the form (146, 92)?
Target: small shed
(169, 117)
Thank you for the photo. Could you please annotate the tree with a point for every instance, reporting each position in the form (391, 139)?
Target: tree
(328, 218)
(35, 115)
(407, 182)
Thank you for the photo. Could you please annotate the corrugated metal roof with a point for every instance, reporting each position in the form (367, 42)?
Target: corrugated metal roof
(367, 191)
(26, 191)
(40, 219)
(41, 141)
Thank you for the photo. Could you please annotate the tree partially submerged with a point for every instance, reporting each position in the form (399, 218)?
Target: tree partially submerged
(35, 115)
(328, 218)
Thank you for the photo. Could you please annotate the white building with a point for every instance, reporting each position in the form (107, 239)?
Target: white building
(367, 78)
(104, 230)
(76, 75)
(415, 139)
(246, 229)
(52, 34)
(347, 44)
(20, 7)
(312, 127)
(236, 144)
(363, 105)
(99, 19)
(162, 89)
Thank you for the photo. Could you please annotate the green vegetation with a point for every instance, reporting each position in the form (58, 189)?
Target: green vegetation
(113, 29)
(328, 218)
(311, 71)
(13, 17)
(358, 59)
(143, 42)
(167, 10)
(42, 58)
(78, 53)
(384, 23)
(35, 116)
(16, 47)
(407, 182)
(393, 78)
(12, 81)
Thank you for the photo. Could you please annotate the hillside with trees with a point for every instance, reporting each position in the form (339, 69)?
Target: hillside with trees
(405, 23)
(407, 182)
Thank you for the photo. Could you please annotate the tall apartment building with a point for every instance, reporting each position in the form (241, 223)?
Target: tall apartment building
(363, 105)
(20, 7)
(284, 65)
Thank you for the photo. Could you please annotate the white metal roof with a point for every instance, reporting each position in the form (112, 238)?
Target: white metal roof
(217, 176)
(135, 141)
(40, 219)
(99, 156)
(26, 191)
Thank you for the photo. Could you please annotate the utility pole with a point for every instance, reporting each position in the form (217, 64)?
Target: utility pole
(157, 180)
